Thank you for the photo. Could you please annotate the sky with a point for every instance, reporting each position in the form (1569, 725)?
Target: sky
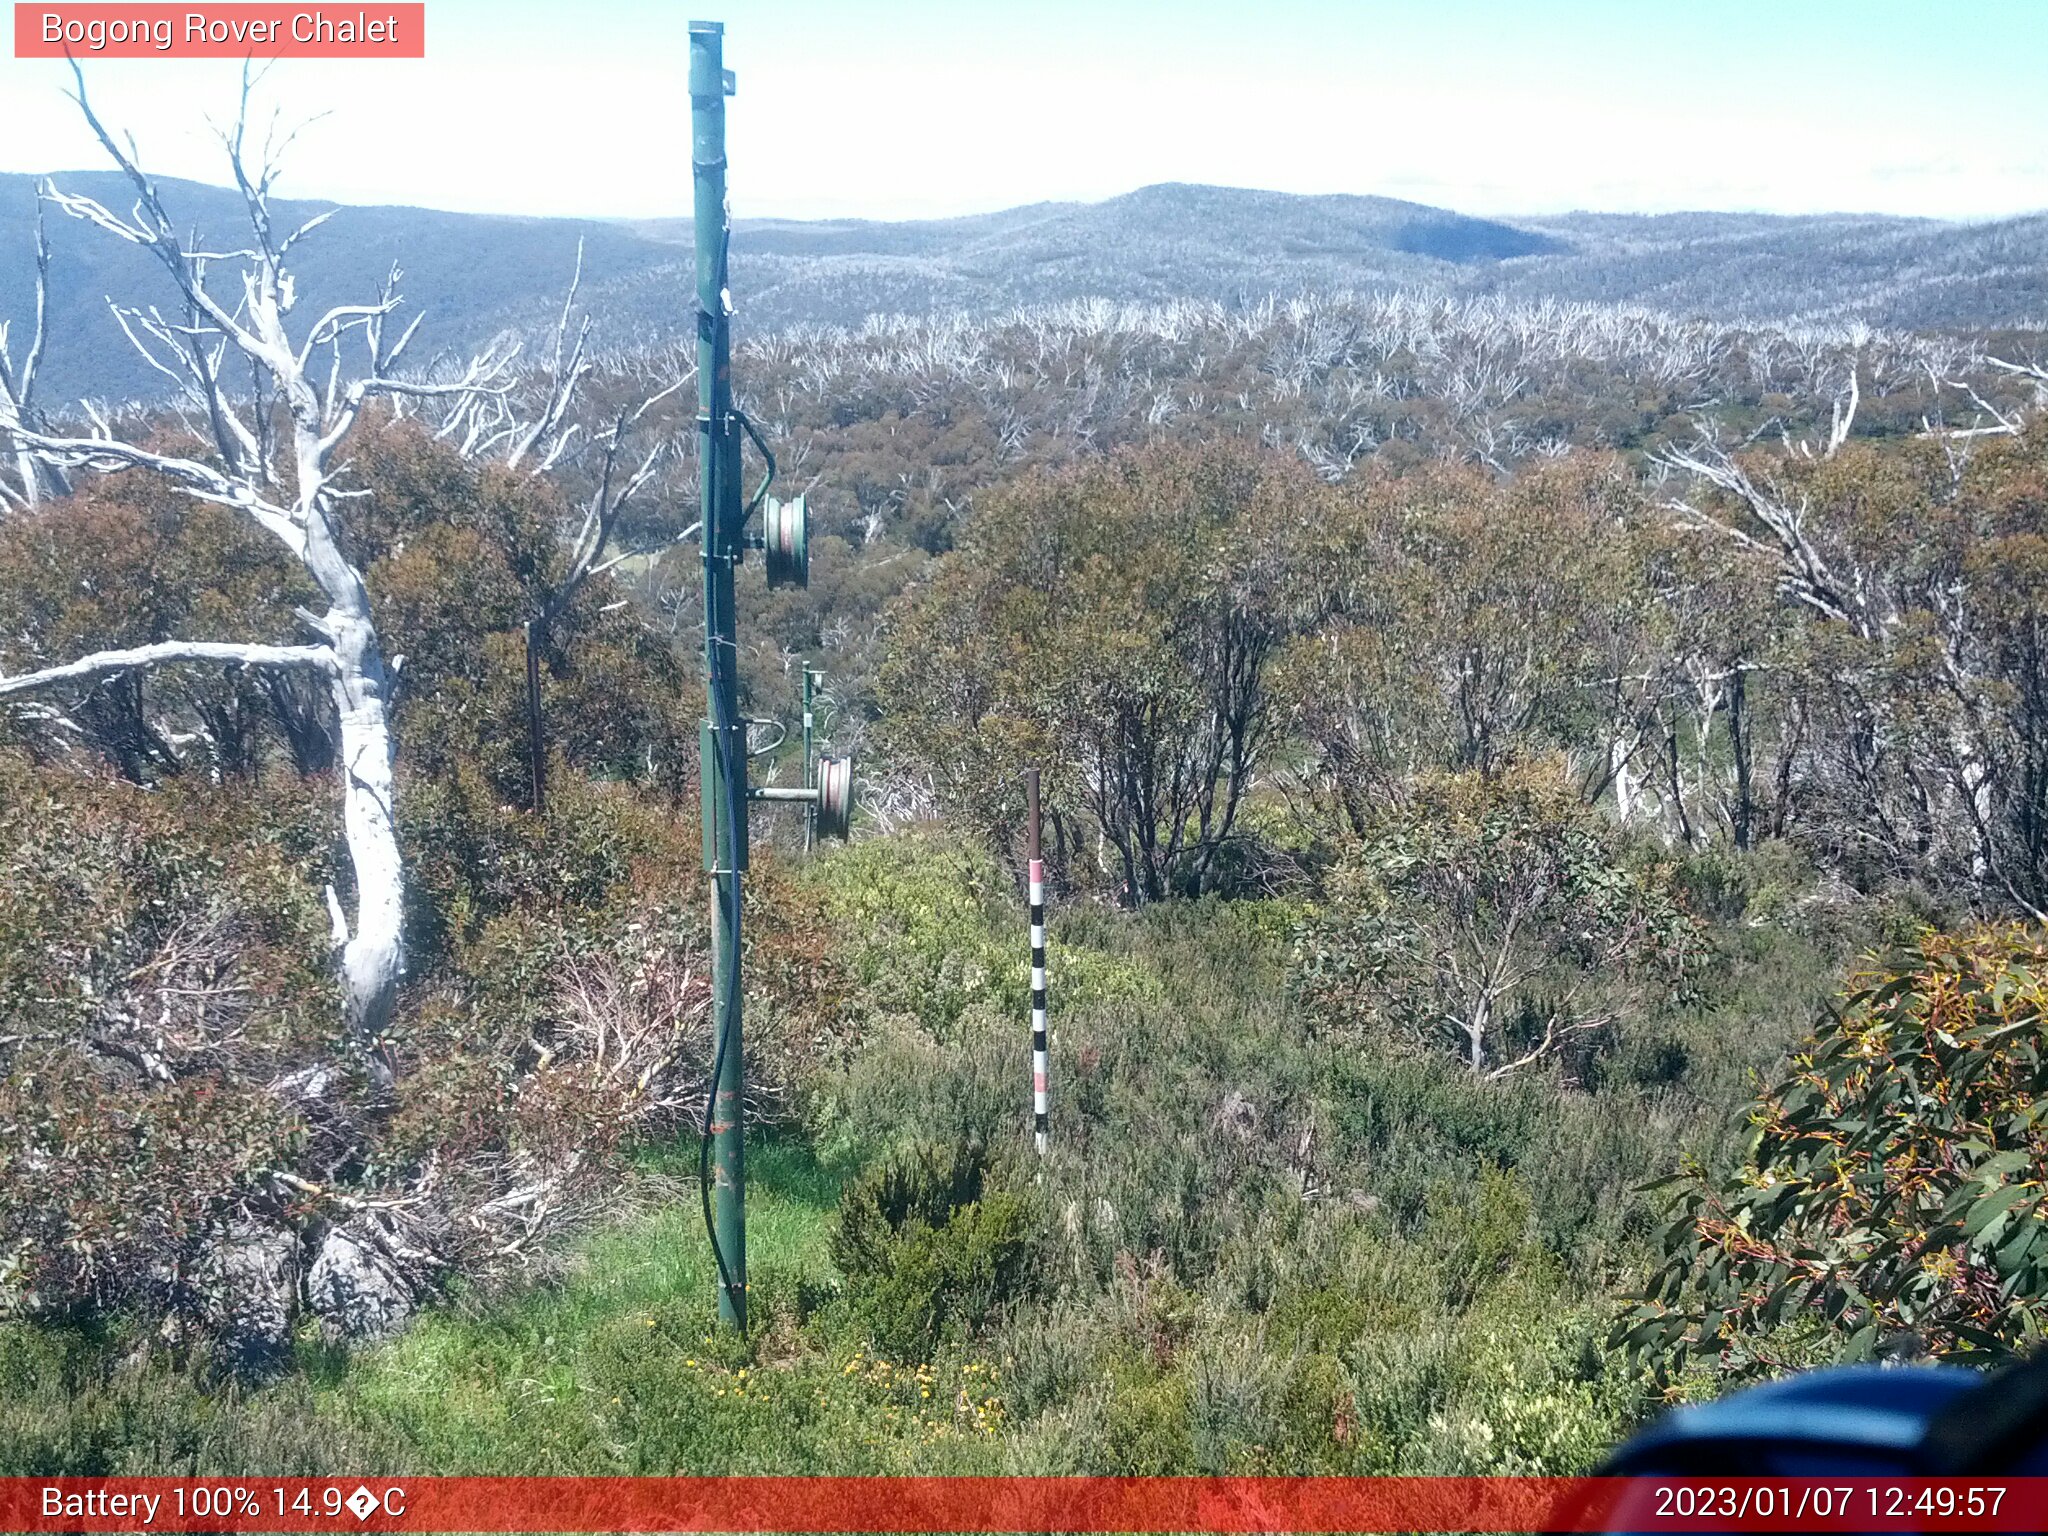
(923, 108)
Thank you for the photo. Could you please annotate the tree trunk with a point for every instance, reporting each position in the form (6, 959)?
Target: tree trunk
(1738, 742)
(1624, 790)
(536, 726)
(1475, 1026)
(31, 476)
(1974, 779)
(1677, 783)
(373, 955)
(1791, 739)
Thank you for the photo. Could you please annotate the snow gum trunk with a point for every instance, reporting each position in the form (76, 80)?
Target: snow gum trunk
(373, 956)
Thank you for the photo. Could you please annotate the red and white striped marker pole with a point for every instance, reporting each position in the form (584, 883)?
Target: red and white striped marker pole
(1038, 1040)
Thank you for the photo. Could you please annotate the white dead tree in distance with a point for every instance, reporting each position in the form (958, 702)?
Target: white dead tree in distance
(614, 491)
(18, 384)
(1825, 573)
(277, 455)
(551, 437)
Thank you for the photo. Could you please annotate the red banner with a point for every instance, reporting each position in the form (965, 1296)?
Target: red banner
(992, 1504)
(266, 31)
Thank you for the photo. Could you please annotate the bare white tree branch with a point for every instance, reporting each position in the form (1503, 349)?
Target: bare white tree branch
(101, 663)
(1803, 570)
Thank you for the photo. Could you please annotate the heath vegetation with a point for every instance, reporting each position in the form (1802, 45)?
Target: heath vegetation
(1546, 815)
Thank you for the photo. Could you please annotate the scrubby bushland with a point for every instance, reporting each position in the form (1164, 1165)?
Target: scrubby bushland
(181, 1134)
(1254, 1247)
(1498, 916)
(159, 970)
(1889, 1200)
(1760, 646)
(187, 1135)
(1273, 1247)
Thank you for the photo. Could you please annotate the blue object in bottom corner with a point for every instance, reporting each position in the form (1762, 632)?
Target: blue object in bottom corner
(1866, 1420)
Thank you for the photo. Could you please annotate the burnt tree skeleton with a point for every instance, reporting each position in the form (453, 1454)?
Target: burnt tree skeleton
(287, 485)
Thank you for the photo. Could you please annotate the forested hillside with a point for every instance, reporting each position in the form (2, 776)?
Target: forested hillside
(1498, 752)
(477, 275)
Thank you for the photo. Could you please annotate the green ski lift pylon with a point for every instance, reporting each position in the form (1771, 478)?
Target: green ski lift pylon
(722, 779)
(785, 543)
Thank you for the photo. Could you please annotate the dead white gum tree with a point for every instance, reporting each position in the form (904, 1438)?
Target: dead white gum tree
(23, 485)
(273, 455)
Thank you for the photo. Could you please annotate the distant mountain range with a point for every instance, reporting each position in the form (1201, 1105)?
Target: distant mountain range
(477, 275)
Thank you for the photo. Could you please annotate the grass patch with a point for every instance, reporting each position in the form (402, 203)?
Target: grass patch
(613, 1368)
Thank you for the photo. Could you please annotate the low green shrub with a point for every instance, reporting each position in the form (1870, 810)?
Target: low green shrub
(932, 1248)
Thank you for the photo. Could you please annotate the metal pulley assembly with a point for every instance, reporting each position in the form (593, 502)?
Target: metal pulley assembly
(786, 541)
(834, 806)
(830, 798)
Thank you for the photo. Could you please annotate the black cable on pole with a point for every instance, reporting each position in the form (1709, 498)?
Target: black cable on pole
(735, 806)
